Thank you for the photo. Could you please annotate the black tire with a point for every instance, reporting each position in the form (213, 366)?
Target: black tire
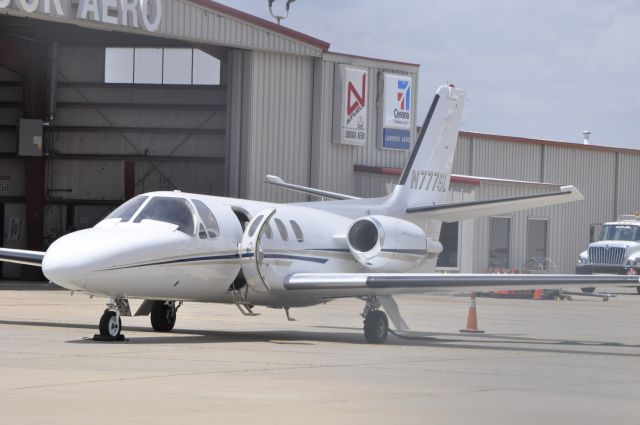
(376, 327)
(107, 325)
(163, 317)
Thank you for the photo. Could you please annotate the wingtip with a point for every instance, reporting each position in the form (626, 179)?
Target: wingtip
(270, 178)
(576, 194)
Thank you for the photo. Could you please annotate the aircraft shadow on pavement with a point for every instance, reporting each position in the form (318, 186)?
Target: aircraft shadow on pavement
(349, 335)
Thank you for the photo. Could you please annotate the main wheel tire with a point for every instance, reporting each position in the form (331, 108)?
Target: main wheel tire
(376, 327)
(163, 316)
(110, 324)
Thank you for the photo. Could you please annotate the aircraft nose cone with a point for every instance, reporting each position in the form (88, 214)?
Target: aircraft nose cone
(64, 263)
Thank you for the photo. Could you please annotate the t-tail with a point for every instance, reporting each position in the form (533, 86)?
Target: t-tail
(425, 178)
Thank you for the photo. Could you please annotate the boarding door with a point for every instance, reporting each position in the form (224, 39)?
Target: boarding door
(250, 251)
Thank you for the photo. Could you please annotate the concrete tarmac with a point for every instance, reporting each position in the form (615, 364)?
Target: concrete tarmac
(540, 362)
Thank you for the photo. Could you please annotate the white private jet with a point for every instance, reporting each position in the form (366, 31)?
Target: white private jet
(171, 247)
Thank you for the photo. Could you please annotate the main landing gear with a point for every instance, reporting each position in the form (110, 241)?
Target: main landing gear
(163, 315)
(376, 324)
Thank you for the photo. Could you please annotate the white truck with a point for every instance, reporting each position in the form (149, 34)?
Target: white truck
(615, 251)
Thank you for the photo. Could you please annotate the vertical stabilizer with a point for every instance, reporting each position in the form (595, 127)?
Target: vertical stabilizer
(425, 178)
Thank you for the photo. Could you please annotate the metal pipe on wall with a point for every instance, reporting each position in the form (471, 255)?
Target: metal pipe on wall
(53, 80)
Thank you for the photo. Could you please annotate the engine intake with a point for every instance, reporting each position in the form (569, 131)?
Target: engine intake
(387, 244)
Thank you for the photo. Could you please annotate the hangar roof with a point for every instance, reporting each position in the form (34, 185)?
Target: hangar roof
(568, 145)
(189, 21)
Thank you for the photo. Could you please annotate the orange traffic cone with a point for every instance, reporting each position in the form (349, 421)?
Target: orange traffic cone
(472, 318)
(537, 294)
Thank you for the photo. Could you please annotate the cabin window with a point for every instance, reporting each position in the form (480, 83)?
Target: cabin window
(202, 232)
(267, 231)
(169, 210)
(282, 229)
(297, 231)
(125, 211)
(207, 217)
(254, 225)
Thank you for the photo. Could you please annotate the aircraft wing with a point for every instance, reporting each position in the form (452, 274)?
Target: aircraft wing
(463, 210)
(22, 256)
(333, 285)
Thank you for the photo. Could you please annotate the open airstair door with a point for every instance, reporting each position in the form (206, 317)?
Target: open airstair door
(250, 252)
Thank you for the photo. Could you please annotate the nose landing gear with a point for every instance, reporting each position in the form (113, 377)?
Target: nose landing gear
(110, 325)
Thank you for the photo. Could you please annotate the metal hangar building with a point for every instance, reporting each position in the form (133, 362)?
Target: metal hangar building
(101, 100)
(96, 106)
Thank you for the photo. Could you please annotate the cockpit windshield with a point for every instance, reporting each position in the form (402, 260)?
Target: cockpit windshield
(125, 211)
(620, 232)
(169, 210)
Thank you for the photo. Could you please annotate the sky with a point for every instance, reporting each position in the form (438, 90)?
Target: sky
(545, 69)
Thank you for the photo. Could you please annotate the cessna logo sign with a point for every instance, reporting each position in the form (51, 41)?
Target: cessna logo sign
(145, 14)
(397, 117)
(352, 94)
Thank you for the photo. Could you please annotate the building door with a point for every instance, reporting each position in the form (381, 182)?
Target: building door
(14, 236)
(537, 242)
(499, 242)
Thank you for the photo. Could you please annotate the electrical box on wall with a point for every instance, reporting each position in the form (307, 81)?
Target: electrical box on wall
(30, 137)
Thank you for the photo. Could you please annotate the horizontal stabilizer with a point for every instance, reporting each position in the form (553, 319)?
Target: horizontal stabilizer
(22, 256)
(473, 209)
(275, 180)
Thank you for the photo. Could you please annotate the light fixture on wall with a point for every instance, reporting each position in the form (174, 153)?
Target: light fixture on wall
(280, 17)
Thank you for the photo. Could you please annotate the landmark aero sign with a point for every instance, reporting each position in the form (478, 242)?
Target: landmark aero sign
(145, 14)
(351, 93)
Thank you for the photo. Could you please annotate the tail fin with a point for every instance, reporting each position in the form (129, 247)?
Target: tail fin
(425, 178)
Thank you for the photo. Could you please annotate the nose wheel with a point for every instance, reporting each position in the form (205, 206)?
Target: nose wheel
(110, 324)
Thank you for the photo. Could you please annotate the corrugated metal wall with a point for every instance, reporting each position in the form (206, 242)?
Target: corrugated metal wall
(333, 163)
(592, 170)
(607, 179)
(518, 230)
(278, 124)
(628, 188)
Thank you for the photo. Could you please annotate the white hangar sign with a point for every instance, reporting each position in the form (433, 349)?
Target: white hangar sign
(145, 14)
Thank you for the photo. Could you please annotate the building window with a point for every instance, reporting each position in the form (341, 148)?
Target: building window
(449, 240)
(118, 65)
(143, 65)
(147, 66)
(499, 241)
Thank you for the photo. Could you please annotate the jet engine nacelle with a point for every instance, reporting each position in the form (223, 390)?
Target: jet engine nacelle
(387, 244)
